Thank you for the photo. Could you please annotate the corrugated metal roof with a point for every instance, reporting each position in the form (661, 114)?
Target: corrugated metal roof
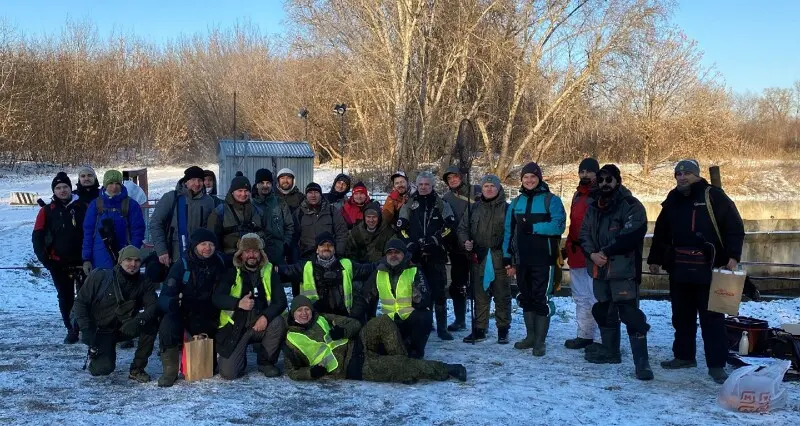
(228, 148)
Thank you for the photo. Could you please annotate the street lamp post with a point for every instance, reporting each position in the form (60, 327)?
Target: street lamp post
(303, 114)
(341, 109)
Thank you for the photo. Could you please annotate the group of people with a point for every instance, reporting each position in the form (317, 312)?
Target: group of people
(221, 263)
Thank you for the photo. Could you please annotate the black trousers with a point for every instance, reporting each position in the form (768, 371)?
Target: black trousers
(459, 275)
(105, 340)
(415, 331)
(65, 288)
(174, 324)
(436, 276)
(618, 301)
(535, 285)
(688, 302)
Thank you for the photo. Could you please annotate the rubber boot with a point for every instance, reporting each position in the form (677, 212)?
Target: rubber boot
(609, 352)
(441, 322)
(478, 336)
(457, 371)
(676, 364)
(502, 336)
(72, 336)
(718, 374)
(578, 343)
(460, 311)
(640, 357)
(169, 363)
(541, 324)
(528, 341)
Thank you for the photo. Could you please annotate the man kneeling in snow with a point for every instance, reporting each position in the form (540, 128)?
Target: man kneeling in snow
(115, 305)
(319, 345)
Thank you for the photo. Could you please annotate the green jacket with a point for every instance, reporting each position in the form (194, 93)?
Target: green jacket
(368, 247)
(486, 228)
(296, 364)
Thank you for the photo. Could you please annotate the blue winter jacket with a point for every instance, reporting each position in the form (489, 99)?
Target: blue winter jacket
(93, 248)
(532, 239)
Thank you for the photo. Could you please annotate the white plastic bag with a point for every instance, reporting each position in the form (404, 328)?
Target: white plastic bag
(751, 391)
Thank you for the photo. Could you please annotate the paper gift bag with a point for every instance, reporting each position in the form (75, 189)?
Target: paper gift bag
(199, 358)
(726, 291)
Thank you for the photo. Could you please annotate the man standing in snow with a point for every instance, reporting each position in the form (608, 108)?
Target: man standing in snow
(696, 218)
(210, 182)
(277, 220)
(236, 217)
(57, 240)
(459, 197)
(178, 214)
(612, 237)
(580, 281)
(316, 216)
(533, 226)
(287, 189)
(353, 208)
(339, 189)
(394, 202)
(88, 188)
(115, 305)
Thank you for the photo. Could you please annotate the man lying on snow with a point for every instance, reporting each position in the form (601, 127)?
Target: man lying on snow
(319, 345)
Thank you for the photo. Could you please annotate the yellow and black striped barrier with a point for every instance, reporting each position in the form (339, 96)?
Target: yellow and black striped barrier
(23, 199)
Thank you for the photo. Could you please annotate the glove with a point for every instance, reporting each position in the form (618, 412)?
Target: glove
(318, 371)
(337, 333)
(506, 261)
(87, 267)
(431, 241)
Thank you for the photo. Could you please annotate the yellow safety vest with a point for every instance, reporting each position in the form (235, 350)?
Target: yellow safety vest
(309, 287)
(399, 303)
(317, 353)
(226, 317)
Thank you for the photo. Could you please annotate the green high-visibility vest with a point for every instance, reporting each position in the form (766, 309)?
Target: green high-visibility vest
(398, 303)
(317, 353)
(309, 287)
(226, 317)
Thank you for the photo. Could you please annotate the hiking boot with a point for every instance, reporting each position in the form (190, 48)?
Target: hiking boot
(72, 337)
(528, 341)
(718, 374)
(169, 363)
(640, 357)
(593, 347)
(126, 344)
(541, 324)
(478, 336)
(139, 375)
(457, 371)
(460, 311)
(441, 322)
(675, 364)
(269, 370)
(502, 336)
(608, 352)
(578, 343)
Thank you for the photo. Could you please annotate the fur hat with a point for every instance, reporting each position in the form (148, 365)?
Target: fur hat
(249, 241)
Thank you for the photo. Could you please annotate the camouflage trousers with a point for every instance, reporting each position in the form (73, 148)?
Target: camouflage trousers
(386, 359)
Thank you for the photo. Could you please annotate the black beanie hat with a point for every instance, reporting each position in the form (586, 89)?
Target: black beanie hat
(325, 237)
(299, 301)
(590, 165)
(531, 168)
(193, 172)
(264, 175)
(61, 177)
(201, 235)
(239, 182)
(313, 186)
(612, 170)
(395, 244)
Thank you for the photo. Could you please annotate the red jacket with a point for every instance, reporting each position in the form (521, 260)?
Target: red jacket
(580, 204)
(352, 212)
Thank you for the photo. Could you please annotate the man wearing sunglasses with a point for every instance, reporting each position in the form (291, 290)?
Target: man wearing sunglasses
(612, 237)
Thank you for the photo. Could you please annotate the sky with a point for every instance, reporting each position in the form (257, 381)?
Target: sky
(752, 44)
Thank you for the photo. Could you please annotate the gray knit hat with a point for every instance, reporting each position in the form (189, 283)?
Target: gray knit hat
(688, 166)
(494, 180)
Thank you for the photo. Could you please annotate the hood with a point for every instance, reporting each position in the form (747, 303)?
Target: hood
(74, 197)
(118, 197)
(501, 197)
(210, 173)
(338, 195)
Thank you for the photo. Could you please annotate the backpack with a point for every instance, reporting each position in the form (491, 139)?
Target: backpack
(123, 211)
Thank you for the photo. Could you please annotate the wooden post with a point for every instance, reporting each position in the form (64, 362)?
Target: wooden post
(716, 176)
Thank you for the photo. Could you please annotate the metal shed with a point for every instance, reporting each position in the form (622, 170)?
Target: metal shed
(249, 156)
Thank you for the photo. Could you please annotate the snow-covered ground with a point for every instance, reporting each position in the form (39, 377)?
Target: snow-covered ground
(41, 381)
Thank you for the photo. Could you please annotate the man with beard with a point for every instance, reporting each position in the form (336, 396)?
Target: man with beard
(57, 240)
(288, 191)
(326, 345)
(316, 216)
(178, 214)
(115, 305)
(425, 221)
(277, 220)
(88, 188)
(482, 234)
(459, 197)
(404, 296)
(185, 300)
(210, 182)
(251, 300)
(367, 240)
(394, 202)
(353, 208)
(612, 237)
(236, 217)
(339, 189)
(533, 227)
(580, 281)
(696, 218)
(329, 282)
